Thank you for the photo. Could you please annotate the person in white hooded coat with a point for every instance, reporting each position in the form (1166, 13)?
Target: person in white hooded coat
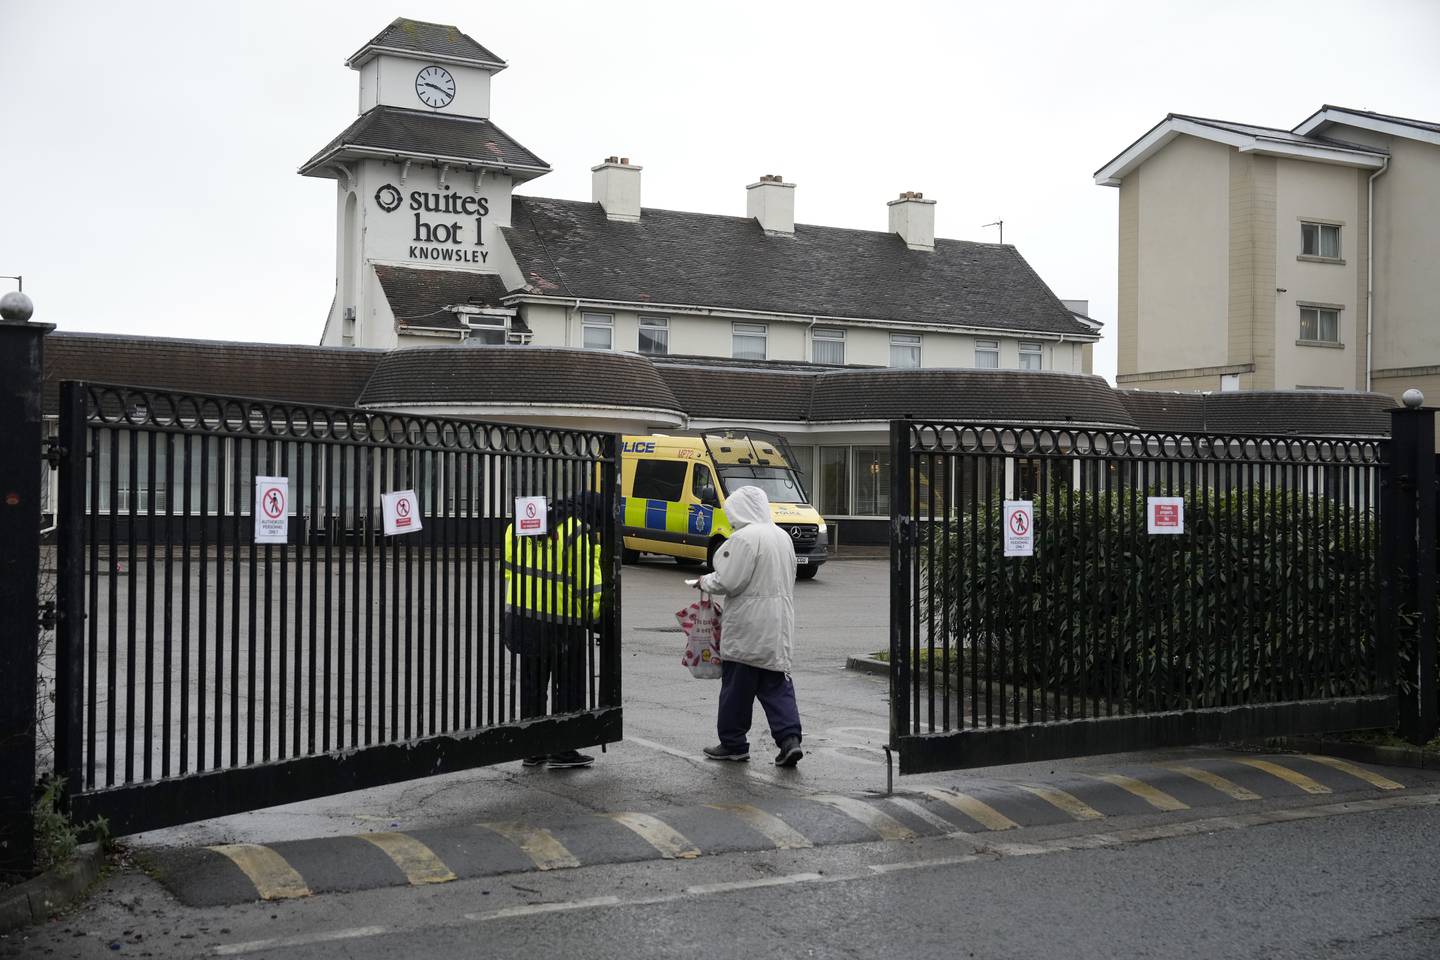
(755, 573)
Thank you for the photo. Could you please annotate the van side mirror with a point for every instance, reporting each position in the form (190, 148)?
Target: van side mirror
(708, 496)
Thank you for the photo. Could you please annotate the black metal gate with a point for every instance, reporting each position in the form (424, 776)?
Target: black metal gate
(1277, 611)
(200, 673)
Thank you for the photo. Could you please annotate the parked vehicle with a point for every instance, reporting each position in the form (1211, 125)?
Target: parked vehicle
(673, 487)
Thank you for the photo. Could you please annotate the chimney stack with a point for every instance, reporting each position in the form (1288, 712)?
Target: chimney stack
(615, 185)
(913, 218)
(771, 202)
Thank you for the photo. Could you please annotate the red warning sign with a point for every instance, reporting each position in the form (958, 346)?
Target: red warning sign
(401, 512)
(530, 516)
(1019, 529)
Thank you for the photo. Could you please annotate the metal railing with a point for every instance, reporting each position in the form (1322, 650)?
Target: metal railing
(200, 672)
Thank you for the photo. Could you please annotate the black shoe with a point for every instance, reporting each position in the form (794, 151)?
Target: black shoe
(722, 752)
(790, 753)
(534, 761)
(569, 759)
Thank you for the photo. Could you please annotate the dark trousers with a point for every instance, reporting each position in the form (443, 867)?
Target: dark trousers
(740, 685)
(559, 673)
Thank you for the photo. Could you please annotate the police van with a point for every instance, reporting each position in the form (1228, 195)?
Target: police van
(673, 487)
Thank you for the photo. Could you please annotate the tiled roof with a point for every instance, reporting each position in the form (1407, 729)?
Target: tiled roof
(566, 248)
(323, 376)
(517, 376)
(418, 298)
(711, 393)
(404, 132)
(417, 36)
(1295, 412)
(1010, 396)
(1429, 125)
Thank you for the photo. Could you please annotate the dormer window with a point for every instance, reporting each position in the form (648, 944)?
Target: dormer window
(486, 328)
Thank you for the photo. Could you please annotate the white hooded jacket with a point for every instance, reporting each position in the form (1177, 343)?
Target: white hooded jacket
(755, 571)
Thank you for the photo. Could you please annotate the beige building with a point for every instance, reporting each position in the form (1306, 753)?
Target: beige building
(1255, 258)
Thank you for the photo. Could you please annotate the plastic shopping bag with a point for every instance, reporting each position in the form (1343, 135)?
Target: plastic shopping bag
(700, 623)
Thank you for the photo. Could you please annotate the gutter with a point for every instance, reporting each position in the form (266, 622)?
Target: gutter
(1370, 277)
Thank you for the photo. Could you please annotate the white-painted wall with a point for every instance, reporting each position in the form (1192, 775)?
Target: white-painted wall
(390, 80)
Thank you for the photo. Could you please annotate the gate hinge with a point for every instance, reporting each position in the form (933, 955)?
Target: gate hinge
(49, 616)
(54, 452)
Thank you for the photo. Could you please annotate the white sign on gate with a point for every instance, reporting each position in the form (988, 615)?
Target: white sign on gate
(272, 498)
(530, 516)
(401, 512)
(1165, 514)
(1019, 532)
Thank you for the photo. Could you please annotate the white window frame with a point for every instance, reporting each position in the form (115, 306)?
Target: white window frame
(830, 336)
(1032, 348)
(987, 347)
(597, 321)
(750, 330)
(1320, 309)
(1320, 227)
(654, 324)
(480, 324)
(908, 342)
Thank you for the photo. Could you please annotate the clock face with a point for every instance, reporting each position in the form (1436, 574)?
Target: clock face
(435, 87)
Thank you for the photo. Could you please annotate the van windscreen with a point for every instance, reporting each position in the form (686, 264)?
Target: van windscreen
(779, 483)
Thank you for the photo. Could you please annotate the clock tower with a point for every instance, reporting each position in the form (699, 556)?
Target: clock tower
(423, 179)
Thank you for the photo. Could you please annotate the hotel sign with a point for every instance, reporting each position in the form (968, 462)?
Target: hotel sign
(448, 227)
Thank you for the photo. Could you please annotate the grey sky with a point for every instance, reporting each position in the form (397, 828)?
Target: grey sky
(150, 148)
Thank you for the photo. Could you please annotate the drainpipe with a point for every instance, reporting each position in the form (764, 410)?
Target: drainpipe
(1370, 275)
(570, 320)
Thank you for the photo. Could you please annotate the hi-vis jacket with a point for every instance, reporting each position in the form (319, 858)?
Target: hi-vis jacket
(556, 578)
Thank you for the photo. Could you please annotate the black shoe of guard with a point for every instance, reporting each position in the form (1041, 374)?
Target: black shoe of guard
(569, 760)
(534, 761)
(790, 754)
(722, 752)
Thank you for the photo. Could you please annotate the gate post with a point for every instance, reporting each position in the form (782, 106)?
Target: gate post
(21, 375)
(901, 543)
(1408, 544)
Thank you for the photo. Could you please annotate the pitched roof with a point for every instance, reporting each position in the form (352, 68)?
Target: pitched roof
(324, 376)
(1329, 115)
(1251, 138)
(418, 298)
(438, 40)
(517, 376)
(567, 248)
(398, 131)
(1007, 396)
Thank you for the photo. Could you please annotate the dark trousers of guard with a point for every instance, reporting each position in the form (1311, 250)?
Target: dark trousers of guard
(740, 686)
(553, 669)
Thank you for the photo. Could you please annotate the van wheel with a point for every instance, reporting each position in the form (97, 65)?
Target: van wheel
(710, 552)
(806, 572)
(686, 562)
(629, 556)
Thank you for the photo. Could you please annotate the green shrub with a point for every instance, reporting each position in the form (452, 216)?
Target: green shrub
(1268, 595)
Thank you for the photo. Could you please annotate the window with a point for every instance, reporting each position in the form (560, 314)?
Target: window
(1320, 240)
(804, 464)
(485, 329)
(905, 350)
(748, 341)
(597, 331)
(834, 481)
(1320, 324)
(655, 336)
(827, 345)
(702, 484)
(658, 479)
(1031, 356)
(872, 481)
(987, 354)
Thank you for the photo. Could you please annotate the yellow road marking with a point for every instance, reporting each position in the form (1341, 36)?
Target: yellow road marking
(537, 843)
(771, 827)
(1355, 770)
(670, 842)
(1154, 796)
(1228, 787)
(878, 820)
(1292, 777)
(977, 810)
(1061, 800)
(417, 861)
(274, 879)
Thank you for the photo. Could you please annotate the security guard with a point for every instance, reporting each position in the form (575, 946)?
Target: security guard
(553, 585)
